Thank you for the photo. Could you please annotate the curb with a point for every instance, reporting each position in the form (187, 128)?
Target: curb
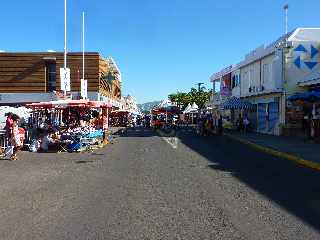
(287, 156)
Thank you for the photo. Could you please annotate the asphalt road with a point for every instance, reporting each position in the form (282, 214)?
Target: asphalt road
(144, 186)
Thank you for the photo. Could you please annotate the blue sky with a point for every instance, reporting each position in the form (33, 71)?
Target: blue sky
(160, 46)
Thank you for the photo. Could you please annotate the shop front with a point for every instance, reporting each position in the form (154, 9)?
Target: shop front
(266, 116)
(308, 111)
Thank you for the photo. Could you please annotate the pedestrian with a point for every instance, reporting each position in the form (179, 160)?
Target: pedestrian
(15, 138)
(8, 127)
(246, 123)
(240, 123)
(220, 126)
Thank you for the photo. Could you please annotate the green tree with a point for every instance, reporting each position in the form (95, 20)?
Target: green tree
(183, 99)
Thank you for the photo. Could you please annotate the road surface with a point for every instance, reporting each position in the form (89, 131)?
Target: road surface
(144, 186)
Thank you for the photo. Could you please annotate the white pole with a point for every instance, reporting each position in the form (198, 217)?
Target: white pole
(65, 39)
(286, 7)
(83, 46)
(65, 34)
(286, 20)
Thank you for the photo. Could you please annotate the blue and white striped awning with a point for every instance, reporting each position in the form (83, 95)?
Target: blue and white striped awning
(237, 103)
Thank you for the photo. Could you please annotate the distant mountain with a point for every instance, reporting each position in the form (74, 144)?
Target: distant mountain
(148, 106)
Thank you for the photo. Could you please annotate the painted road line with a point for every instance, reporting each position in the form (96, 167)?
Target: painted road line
(276, 153)
(172, 141)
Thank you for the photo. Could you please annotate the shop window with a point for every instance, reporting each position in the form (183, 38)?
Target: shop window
(251, 77)
(51, 76)
(234, 81)
(265, 73)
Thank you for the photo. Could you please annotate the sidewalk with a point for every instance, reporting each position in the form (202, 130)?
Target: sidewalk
(294, 149)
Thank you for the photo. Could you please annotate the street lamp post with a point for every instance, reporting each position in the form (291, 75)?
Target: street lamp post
(199, 86)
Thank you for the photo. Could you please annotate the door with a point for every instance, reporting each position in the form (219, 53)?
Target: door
(273, 115)
(262, 121)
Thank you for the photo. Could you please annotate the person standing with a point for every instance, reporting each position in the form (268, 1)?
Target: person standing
(9, 123)
(15, 138)
(246, 123)
(220, 126)
(240, 123)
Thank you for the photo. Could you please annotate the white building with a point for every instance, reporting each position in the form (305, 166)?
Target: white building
(270, 74)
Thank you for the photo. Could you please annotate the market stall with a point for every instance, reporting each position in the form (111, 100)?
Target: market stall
(67, 125)
(161, 116)
(120, 118)
(309, 105)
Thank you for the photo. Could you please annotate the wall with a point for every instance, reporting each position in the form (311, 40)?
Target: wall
(294, 73)
(236, 78)
(22, 72)
(262, 76)
(26, 72)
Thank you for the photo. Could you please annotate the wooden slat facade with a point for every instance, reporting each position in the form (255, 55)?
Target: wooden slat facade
(27, 72)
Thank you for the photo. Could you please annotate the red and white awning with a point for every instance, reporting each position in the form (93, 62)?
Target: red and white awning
(70, 103)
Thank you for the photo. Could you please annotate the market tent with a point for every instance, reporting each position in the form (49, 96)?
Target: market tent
(69, 103)
(187, 108)
(237, 103)
(194, 107)
(165, 104)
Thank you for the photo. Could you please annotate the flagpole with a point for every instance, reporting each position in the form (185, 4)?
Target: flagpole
(83, 45)
(83, 51)
(65, 34)
(65, 40)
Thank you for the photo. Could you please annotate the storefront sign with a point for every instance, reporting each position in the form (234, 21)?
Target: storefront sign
(225, 91)
(65, 79)
(84, 88)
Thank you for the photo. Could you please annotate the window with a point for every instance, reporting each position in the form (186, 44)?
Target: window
(265, 73)
(251, 77)
(217, 86)
(51, 77)
(234, 84)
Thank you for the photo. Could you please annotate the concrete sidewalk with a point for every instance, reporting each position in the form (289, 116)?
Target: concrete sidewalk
(294, 149)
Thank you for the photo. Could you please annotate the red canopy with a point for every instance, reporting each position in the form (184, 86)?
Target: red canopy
(70, 103)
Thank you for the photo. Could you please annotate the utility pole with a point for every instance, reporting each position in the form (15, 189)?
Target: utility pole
(283, 55)
(199, 86)
(286, 7)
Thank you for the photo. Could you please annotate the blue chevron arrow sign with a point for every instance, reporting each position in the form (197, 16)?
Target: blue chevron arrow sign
(309, 63)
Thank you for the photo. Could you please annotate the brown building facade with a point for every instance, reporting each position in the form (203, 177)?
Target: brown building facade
(35, 76)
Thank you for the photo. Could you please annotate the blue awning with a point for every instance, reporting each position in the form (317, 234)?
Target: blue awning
(306, 96)
(237, 103)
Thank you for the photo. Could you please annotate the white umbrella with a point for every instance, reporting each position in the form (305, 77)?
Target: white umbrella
(165, 104)
(194, 106)
(186, 110)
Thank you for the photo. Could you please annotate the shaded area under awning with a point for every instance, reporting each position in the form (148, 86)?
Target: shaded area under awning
(306, 96)
(237, 103)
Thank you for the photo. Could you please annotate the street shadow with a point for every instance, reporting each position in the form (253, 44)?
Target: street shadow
(137, 132)
(291, 186)
(97, 154)
(84, 161)
(219, 167)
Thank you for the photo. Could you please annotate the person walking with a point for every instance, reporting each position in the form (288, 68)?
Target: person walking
(15, 138)
(220, 126)
(9, 123)
(246, 123)
(240, 123)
